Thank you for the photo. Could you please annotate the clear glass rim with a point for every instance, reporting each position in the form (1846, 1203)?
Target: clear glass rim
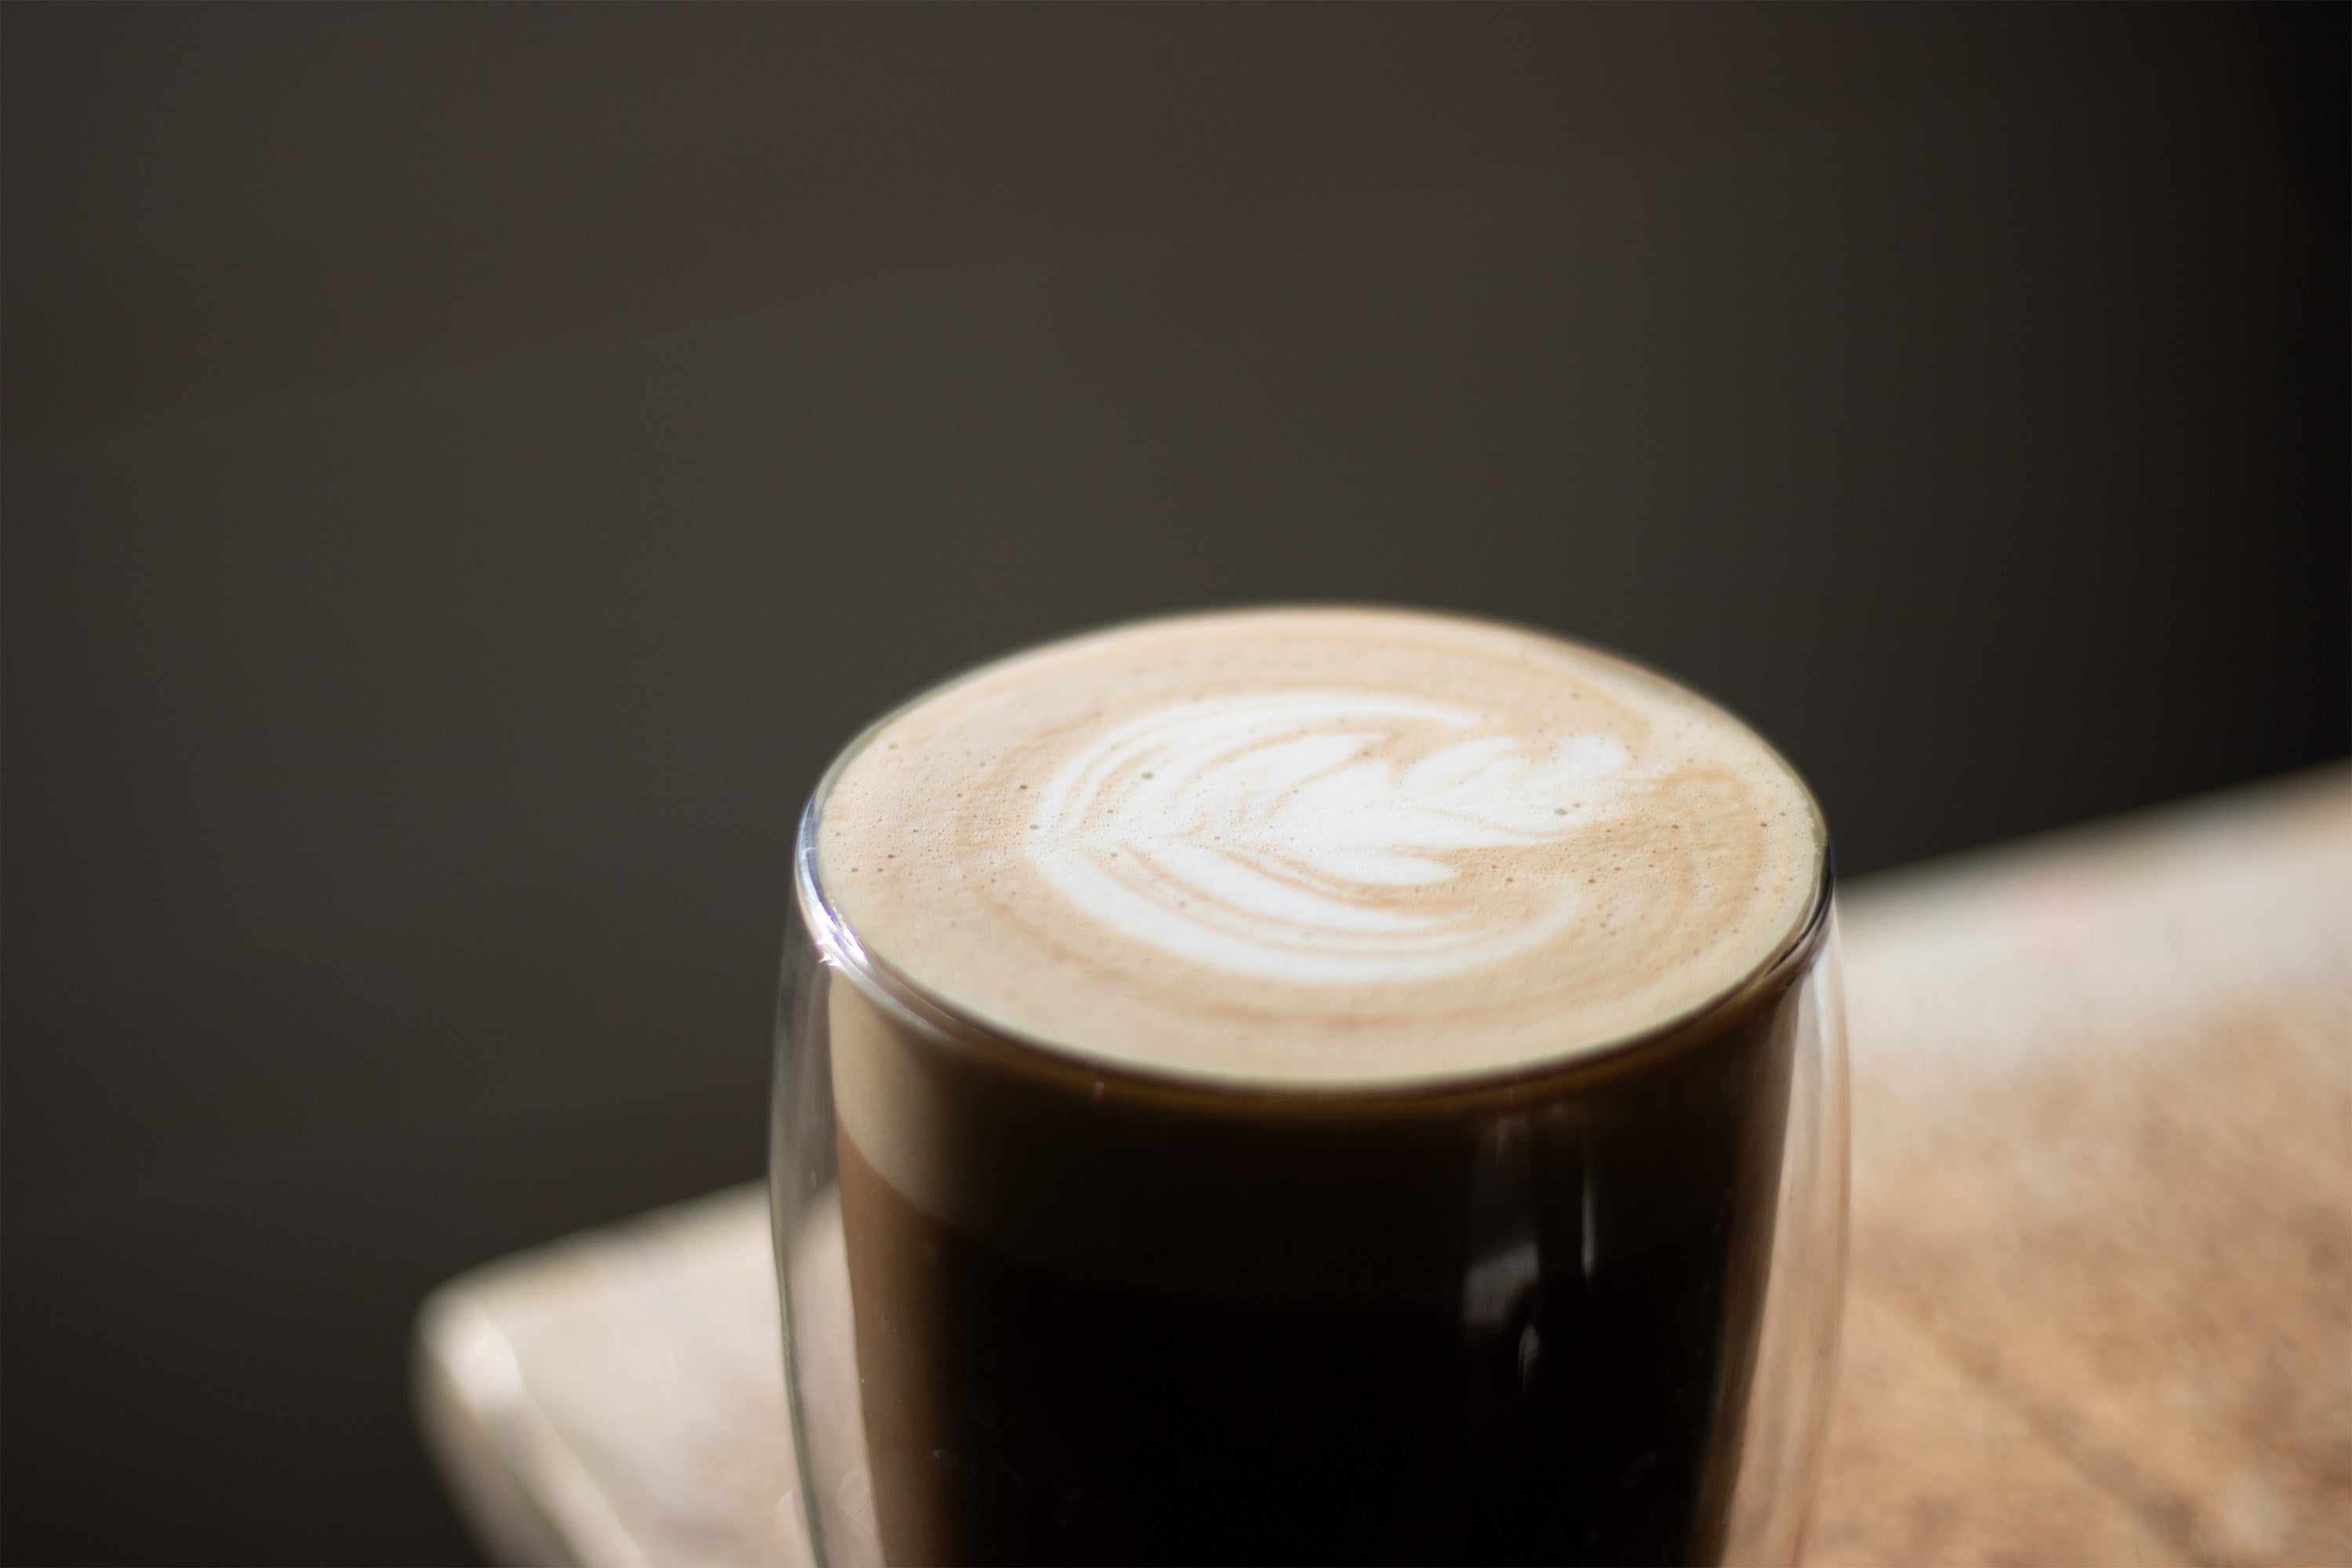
(956, 1027)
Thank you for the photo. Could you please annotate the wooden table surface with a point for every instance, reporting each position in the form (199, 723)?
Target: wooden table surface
(2100, 1307)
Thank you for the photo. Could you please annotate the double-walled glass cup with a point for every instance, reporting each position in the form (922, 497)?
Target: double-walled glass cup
(1044, 1308)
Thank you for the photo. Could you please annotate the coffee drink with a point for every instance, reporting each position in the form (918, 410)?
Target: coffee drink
(1309, 1086)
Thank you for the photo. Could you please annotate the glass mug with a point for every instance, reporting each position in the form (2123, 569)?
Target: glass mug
(1585, 1310)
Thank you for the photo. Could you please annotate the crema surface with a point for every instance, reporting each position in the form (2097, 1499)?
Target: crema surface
(1318, 847)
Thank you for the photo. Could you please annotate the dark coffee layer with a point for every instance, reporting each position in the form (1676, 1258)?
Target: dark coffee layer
(1507, 1331)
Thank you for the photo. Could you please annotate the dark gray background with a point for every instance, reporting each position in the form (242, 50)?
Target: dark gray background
(468, 467)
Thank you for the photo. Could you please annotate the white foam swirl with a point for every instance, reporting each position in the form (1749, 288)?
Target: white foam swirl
(1327, 838)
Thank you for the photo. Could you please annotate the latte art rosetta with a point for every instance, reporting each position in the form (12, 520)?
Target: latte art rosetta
(1325, 837)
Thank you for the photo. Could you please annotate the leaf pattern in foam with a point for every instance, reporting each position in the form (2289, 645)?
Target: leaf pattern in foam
(1318, 836)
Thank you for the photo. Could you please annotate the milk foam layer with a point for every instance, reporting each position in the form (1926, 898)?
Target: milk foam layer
(1318, 847)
